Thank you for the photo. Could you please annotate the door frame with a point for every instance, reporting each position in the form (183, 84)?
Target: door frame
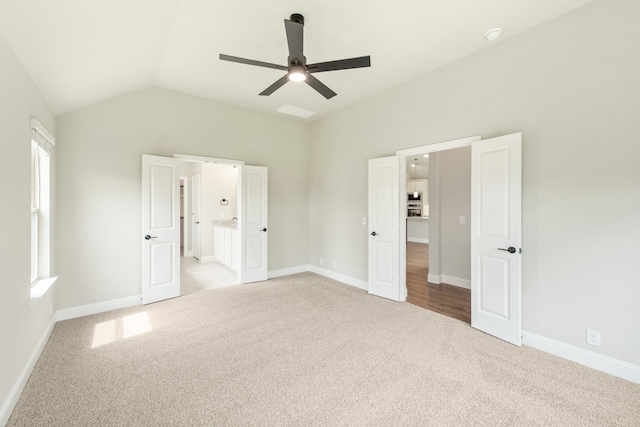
(186, 203)
(195, 200)
(403, 154)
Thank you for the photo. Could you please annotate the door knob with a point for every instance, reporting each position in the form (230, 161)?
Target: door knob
(373, 233)
(264, 229)
(510, 249)
(147, 237)
(197, 222)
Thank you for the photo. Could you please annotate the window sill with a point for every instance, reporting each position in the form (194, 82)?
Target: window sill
(40, 287)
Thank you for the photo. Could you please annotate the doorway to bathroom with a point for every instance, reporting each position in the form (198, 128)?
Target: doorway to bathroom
(208, 215)
(242, 244)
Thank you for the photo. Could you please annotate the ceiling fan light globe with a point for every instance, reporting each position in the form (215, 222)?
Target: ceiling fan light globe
(297, 74)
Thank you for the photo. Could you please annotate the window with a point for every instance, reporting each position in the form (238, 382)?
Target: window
(42, 144)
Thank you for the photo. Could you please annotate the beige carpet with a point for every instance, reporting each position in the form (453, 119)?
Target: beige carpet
(304, 350)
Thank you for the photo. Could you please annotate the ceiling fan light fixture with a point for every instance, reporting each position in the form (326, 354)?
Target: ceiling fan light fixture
(297, 73)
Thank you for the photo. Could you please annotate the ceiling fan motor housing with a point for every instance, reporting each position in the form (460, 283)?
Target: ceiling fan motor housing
(296, 17)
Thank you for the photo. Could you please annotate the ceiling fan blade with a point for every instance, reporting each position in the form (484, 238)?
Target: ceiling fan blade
(277, 85)
(295, 40)
(252, 62)
(341, 64)
(320, 87)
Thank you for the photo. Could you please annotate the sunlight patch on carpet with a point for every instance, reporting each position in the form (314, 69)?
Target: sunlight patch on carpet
(128, 326)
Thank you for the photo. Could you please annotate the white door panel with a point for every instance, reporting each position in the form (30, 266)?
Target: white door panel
(161, 228)
(496, 236)
(162, 272)
(253, 227)
(384, 227)
(493, 274)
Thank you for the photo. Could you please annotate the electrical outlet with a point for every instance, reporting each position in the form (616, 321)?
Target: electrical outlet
(463, 220)
(335, 265)
(321, 261)
(364, 220)
(593, 337)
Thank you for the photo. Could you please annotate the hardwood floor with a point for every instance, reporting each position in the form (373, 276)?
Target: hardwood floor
(452, 301)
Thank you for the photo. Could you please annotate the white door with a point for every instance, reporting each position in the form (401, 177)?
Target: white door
(195, 216)
(496, 166)
(253, 226)
(384, 228)
(160, 228)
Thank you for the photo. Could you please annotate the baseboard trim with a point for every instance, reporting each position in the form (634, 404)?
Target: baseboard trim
(449, 280)
(99, 307)
(456, 281)
(417, 240)
(599, 362)
(360, 284)
(287, 271)
(7, 407)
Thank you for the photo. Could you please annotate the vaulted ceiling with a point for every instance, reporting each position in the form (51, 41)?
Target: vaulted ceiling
(79, 52)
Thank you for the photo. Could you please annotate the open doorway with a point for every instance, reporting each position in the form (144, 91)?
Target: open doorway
(494, 261)
(161, 255)
(437, 229)
(209, 219)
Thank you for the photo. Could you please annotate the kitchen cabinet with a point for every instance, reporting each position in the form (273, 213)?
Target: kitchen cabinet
(421, 186)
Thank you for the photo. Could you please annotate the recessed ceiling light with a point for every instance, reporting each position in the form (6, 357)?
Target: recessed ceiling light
(426, 155)
(413, 165)
(493, 34)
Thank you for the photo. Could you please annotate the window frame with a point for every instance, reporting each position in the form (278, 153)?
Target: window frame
(42, 146)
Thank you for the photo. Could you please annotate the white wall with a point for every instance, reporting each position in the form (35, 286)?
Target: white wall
(449, 239)
(455, 201)
(100, 181)
(418, 230)
(572, 86)
(21, 326)
(434, 220)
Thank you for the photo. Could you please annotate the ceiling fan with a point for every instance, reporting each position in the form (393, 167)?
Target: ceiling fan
(298, 70)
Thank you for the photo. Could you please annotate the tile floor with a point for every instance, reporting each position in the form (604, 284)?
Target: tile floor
(196, 276)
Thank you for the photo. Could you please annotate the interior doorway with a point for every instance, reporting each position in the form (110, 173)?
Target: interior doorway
(437, 247)
(449, 300)
(208, 210)
(495, 220)
(161, 225)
